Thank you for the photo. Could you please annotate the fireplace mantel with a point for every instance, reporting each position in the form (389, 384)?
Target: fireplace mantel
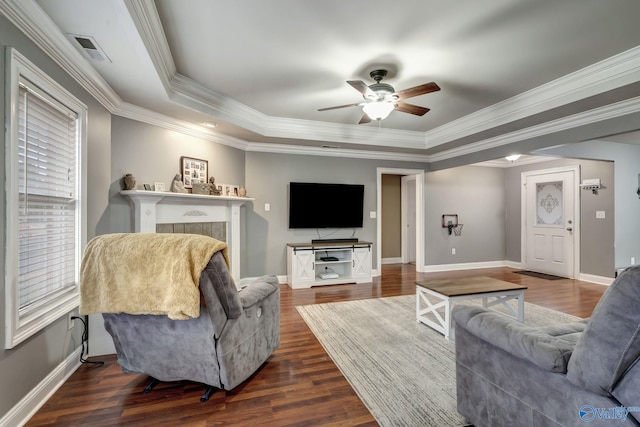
(152, 208)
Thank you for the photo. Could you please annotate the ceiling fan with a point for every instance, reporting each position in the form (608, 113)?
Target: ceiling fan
(381, 98)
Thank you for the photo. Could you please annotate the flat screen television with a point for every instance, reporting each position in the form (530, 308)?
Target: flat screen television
(316, 205)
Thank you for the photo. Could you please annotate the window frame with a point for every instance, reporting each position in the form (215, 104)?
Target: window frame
(19, 328)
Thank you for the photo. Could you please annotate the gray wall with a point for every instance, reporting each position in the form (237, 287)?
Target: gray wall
(152, 154)
(391, 245)
(596, 235)
(26, 365)
(476, 194)
(627, 204)
(267, 179)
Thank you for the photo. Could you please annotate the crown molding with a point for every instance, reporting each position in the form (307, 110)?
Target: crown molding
(500, 163)
(144, 15)
(622, 108)
(605, 75)
(144, 115)
(608, 74)
(334, 132)
(29, 18)
(336, 152)
(191, 93)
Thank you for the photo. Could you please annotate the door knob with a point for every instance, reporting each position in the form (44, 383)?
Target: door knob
(569, 229)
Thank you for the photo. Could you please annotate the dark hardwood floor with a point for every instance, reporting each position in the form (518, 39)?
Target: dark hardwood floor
(298, 386)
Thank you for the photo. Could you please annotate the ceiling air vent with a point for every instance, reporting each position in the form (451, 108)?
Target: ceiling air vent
(89, 45)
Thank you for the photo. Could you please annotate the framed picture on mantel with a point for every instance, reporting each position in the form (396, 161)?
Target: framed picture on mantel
(193, 171)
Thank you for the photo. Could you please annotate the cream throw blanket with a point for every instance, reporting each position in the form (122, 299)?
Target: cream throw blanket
(145, 273)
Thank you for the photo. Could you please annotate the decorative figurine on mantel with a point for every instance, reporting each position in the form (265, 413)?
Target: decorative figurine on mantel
(242, 192)
(200, 188)
(129, 182)
(177, 186)
(213, 189)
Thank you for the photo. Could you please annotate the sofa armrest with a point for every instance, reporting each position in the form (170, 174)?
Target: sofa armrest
(548, 348)
(258, 290)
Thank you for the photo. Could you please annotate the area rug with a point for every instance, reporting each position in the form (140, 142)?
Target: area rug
(403, 371)
(539, 275)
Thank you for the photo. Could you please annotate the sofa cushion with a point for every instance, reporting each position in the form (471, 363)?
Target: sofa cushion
(549, 347)
(610, 344)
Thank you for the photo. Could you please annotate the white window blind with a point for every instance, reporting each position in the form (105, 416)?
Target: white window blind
(47, 190)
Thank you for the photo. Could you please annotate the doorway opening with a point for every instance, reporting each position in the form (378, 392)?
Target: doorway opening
(411, 217)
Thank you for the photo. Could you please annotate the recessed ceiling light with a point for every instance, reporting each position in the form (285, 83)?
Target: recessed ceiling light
(209, 125)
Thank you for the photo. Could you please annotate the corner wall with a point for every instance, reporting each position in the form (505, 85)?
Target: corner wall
(152, 154)
(476, 194)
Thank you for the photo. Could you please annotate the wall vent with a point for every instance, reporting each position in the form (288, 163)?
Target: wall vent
(89, 46)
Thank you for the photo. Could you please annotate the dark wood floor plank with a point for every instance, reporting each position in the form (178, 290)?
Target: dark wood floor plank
(298, 386)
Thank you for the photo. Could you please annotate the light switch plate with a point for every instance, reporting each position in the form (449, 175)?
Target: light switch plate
(373, 214)
(600, 214)
(267, 207)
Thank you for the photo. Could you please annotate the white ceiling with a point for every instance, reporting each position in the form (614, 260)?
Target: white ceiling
(509, 69)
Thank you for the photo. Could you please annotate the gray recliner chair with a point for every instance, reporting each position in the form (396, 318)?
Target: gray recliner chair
(508, 374)
(234, 335)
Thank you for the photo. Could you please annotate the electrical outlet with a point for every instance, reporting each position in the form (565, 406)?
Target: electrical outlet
(70, 320)
(453, 251)
(633, 260)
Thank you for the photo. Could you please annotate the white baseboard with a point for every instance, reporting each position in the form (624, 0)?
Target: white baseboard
(513, 264)
(396, 260)
(463, 266)
(600, 280)
(38, 396)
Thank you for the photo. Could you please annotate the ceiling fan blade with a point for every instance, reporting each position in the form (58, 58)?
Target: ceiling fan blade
(361, 87)
(364, 119)
(411, 109)
(339, 106)
(418, 90)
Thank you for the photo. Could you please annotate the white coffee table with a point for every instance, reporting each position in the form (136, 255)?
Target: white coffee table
(445, 292)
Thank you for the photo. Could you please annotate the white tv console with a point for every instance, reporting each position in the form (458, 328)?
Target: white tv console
(305, 263)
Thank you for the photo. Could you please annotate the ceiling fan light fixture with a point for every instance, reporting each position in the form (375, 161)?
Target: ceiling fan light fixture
(378, 110)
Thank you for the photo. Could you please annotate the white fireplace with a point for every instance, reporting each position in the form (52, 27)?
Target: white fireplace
(152, 208)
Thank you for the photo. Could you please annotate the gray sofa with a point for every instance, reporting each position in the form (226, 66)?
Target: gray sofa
(508, 374)
(234, 335)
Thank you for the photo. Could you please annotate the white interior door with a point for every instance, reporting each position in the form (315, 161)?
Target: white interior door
(550, 222)
(408, 219)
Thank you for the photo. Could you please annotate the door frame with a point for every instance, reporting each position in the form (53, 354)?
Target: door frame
(419, 174)
(576, 213)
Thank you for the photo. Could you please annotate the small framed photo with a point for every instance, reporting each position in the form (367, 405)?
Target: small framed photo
(158, 186)
(148, 187)
(193, 171)
(235, 191)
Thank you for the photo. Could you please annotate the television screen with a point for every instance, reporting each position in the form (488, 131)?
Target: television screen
(315, 205)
